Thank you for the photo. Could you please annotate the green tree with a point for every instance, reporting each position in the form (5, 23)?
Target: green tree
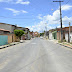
(19, 33)
(41, 34)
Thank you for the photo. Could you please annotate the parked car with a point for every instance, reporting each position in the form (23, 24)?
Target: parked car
(41, 37)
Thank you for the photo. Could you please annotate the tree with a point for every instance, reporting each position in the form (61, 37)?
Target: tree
(19, 33)
(41, 34)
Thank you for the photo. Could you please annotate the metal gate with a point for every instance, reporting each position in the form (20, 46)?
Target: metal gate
(3, 40)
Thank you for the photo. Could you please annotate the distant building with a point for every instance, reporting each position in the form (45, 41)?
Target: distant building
(31, 33)
(35, 34)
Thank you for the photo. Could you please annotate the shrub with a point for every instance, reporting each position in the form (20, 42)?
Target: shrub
(64, 40)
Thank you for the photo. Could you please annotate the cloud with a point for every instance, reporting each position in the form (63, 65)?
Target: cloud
(16, 12)
(52, 20)
(6, 0)
(22, 2)
(16, 2)
(39, 16)
(66, 7)
(40, 27)
(60, 26)
(24, 11)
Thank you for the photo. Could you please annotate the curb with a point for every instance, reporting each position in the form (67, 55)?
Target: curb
(8, 45)
(64, 45)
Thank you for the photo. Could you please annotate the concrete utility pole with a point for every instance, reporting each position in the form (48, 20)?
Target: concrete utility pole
(69, 31)
(60, 19)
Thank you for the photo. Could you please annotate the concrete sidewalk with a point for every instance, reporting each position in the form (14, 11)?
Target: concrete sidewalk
(65, 44)
(8, 45)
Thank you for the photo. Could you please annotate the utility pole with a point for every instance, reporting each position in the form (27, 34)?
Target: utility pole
(60, 20)
(69, 31)
(46, 29)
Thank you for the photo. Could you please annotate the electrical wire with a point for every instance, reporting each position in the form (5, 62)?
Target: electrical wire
(66, 3)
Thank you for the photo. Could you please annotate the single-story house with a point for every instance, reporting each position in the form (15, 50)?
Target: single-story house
(67, 34)
(59, 33)
(51, 34)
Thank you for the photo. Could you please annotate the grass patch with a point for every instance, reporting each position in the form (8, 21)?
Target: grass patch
(59, 41)
(64, 40)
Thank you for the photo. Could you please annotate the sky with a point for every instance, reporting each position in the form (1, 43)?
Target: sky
(35, 14)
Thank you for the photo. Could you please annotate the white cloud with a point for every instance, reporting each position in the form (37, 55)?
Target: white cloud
(6, 0)
(52, 20)
(40, 27)
(60, 26)
(23, 2)
(16, 2)
(66, 7)
(16, 12)
(39, 16)
(24, 11)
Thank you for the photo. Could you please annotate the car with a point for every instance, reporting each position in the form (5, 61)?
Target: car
(41, 37)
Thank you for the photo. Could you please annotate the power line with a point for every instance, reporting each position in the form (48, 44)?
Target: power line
(15, 18)
(66, 3)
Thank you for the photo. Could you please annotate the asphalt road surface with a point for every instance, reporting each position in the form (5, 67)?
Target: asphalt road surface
(36, 55)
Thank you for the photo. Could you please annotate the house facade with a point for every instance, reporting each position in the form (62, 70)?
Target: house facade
(67, 34)
(11, 28)
(2, 31)
(59, 33)
(8, 27)
(51, 34)
(35, 34)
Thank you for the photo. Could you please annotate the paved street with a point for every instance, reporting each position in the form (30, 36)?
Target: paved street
(36, 55)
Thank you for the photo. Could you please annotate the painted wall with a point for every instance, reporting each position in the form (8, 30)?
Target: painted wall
(66, 37)
(54, 34)
(58, 35)
(3, 40)
(11, 38)
(29, 36)
(71, 37)
(50, 36)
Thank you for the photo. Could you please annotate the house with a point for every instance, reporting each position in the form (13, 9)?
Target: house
(50, 34)
(65, 31)
(59, 33)
(11, 28)
(31, 33)
(54, 34)
(3, 31)
(67, 34)
(46, 34)
(8, 27)
(35, 34)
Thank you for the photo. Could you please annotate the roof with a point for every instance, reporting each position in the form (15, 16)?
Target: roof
(7, 24)
(4, 30)
(52, 30)
(19, 27)
(27, 28)
(13, 25)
